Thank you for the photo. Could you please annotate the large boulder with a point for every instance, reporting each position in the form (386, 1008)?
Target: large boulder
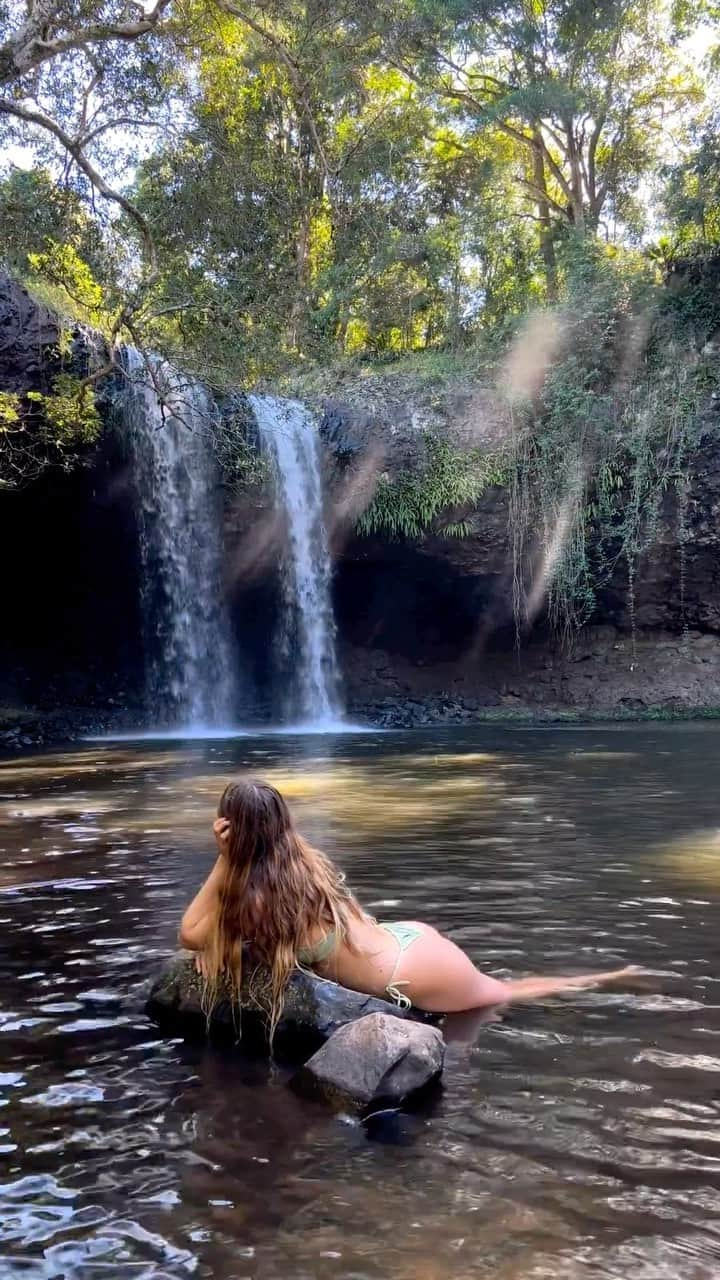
(376, 1061)
(313, 1008)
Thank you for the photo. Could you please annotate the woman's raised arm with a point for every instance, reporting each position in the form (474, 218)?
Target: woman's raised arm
(198, 918)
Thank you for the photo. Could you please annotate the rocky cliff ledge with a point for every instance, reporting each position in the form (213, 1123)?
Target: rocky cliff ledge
(427, 629)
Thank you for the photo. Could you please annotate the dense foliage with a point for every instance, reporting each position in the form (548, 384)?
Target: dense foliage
(46, 428)
(448, 480)
(605, 451)
(284, 180)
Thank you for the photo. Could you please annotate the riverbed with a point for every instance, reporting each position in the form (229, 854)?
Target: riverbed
(575, 1138)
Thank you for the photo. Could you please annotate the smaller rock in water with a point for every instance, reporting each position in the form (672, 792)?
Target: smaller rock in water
(377, 1060)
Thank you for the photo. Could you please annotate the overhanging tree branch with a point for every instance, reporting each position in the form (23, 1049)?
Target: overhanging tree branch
(32, 46)
(542, 194)
(74, 149)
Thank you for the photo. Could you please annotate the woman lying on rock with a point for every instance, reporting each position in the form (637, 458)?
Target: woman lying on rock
(290, 905)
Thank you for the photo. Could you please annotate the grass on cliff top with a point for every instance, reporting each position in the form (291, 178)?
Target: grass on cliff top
(348, 377)
(584, 715)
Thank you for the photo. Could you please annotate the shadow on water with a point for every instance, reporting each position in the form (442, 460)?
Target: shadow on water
(575, 1138)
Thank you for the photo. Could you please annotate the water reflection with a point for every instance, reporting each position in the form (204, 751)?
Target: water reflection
(572, 1139)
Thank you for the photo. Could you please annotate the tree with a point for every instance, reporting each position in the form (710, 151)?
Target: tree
(75, 58)
(301, 158)
(328, 209)
(321, 176)
(692, 197)
(585, 89)
(40, 218)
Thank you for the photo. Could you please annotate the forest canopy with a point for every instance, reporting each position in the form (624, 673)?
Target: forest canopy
(248, 186)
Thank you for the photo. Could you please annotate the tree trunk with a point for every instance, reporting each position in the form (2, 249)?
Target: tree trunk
(547, 244)
(576, 180)
(298, 314)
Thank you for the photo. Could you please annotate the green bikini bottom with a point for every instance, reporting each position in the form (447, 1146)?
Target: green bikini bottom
(404, 935)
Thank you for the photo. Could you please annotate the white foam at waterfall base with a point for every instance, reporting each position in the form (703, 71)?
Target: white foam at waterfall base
(288, 432)
(330, 728)
(195, 733)
(190, 684)
(191, 733)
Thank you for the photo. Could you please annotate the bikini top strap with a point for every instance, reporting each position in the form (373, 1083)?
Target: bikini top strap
(321, 951)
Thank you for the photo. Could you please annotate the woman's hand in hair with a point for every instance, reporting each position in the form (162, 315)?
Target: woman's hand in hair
(221, 831)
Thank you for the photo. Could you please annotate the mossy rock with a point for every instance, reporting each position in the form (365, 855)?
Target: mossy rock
(313, 1009)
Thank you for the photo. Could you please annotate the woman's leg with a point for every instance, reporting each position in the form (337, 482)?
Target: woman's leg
(532, 988)
(478, 990)
(439, 978)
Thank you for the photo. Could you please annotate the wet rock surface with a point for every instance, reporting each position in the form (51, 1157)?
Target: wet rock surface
(29, 336)
(27, 729)
(608, 673)
(375, 1061)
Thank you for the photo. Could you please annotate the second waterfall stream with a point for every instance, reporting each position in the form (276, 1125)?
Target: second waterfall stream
(288, 433)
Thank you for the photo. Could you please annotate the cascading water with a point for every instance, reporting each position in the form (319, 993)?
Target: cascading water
(289, 434)
(190, 668)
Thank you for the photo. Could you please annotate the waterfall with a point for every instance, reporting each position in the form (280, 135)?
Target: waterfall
(288, 433)
(190, 668)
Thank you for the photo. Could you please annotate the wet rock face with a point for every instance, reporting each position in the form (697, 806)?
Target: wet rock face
(74, 554)
(29, 338)
(427, 633)
(378, 1060)
(27, 332)
(313, 1009)
(604, 673)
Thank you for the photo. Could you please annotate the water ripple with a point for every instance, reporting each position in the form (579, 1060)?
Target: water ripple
(575, 1139)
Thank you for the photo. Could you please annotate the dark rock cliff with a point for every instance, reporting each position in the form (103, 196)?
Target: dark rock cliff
(28, 334)
(425, 625)
(69, 644)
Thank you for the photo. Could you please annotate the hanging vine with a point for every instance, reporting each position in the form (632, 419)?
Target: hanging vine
(593, 460)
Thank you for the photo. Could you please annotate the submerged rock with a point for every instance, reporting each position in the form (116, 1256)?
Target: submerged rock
(313, 1009)
(378, 1060)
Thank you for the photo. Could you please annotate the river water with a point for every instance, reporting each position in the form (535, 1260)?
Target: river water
(575, 1138)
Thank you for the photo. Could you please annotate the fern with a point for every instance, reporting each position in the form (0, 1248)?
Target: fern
(408, 505)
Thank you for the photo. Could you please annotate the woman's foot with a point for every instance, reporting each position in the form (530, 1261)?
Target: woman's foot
(536, 988)
(586, 980)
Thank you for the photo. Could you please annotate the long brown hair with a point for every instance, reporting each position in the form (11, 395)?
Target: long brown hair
(278, 891)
